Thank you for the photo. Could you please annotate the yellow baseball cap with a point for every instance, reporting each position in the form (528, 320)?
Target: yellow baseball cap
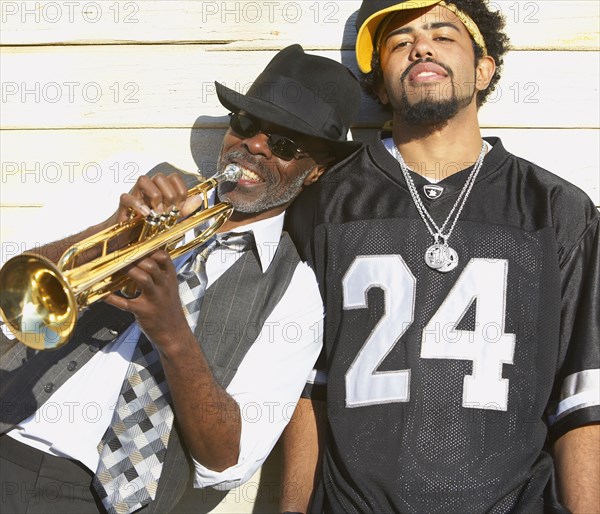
(373, 12)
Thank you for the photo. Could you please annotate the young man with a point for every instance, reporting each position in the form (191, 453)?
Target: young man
(462, 292)
(228, 365)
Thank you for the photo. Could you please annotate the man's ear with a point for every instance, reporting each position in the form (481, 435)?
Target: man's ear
(315, 173)
(381, 92)
(486, 67)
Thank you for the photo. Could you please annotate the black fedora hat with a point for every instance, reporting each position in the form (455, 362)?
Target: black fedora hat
(309, 94)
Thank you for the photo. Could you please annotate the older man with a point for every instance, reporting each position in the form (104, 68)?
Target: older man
(178, 375)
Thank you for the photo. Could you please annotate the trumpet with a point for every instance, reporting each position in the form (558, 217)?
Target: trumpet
(40, 301)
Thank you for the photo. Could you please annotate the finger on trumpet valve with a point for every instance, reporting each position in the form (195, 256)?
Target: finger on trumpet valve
(173, 216)
(151, 226)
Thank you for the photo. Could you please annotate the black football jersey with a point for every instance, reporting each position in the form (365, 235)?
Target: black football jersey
(445, 389)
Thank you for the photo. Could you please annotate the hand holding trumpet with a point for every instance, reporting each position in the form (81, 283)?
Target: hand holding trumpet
(40, 299)
(161, 194)
(157, 307)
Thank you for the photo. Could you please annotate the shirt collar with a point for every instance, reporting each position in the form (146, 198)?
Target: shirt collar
(267, 234)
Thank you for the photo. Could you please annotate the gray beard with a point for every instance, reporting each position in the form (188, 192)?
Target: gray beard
(270, 198)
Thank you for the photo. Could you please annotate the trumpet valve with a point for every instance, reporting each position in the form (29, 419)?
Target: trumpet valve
(173, 217)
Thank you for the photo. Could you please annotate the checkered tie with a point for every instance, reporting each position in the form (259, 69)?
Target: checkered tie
(134, 447)
(192, 283)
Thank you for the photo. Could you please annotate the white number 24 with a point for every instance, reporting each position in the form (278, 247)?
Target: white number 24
(487, 346)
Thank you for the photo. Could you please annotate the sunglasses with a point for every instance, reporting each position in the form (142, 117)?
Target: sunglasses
(281, 146)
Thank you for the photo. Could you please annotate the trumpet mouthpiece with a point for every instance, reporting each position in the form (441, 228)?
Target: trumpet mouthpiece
(231, 173)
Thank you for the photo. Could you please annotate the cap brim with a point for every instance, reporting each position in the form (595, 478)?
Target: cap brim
(235, 102)
(367, 31)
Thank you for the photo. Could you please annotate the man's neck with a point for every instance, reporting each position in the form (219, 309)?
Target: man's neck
(239, 219)
(439, 151)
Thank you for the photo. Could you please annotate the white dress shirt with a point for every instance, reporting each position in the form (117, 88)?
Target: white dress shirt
(266, 386)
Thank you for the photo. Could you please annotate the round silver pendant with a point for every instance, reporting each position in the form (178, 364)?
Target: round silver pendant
(441, 257)
(436, 256)
(451, 260)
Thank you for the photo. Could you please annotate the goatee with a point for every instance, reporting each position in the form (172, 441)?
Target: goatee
(430, 111)
(433, 109)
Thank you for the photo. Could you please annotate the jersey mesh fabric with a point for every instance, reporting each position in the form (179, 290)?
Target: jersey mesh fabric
(437, 451)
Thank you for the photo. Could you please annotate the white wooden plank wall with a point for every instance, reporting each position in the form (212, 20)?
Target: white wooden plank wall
(95, 93)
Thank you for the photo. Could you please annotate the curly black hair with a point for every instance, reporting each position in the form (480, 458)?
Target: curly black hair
(491, 25)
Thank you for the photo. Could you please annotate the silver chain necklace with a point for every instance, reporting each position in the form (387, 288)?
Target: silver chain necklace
(440, 256)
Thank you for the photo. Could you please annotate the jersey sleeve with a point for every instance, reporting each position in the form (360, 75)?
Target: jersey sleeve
(316, 384)
(576, 397)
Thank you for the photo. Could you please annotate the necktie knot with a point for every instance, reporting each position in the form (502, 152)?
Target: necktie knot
(237, 241)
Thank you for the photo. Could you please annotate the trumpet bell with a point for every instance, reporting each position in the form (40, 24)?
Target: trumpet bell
(36, 302)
